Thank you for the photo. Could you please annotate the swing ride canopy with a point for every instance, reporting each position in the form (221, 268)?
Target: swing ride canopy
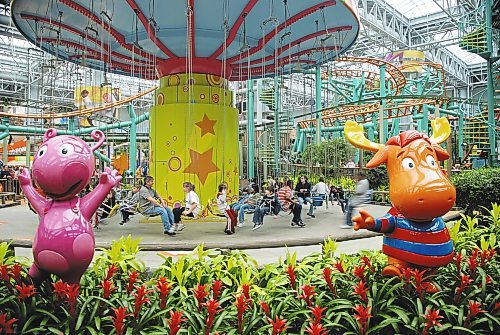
(228, 38)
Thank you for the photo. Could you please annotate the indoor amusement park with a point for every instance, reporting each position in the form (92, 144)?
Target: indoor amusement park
(222, 167)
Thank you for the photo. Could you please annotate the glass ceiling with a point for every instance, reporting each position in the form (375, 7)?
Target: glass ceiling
(420, 8)
(417, 8)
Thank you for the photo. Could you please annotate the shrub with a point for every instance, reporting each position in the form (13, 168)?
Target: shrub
(207, 292)
(477, 188)
(378, 177)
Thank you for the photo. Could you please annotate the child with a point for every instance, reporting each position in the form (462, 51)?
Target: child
(192, 207)
(228, 211)
(267, 204)
(128, 206)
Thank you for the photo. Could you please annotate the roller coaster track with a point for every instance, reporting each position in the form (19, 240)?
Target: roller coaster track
(363, 112)
(79, 111)
(396, 77)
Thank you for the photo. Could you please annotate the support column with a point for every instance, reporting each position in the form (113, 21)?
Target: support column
(28, 152)
(250, 130)
(461, 152)
(277, 107)
(133, 140)
(5, 137)
(71, 124)
(491, 96)
(381, 133)
(318, 104)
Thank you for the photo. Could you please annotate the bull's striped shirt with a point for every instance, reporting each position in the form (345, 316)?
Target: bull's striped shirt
(422, 243)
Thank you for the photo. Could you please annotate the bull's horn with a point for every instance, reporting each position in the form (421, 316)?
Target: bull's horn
(354, 134)
(440, 129)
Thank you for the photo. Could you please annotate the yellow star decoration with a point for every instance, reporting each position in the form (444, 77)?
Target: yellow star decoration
(206, 125)
(201, 164)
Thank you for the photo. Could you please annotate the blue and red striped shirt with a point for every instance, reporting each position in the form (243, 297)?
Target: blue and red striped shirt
(422, 243)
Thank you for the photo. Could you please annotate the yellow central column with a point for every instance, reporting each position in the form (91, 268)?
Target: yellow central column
(194, 137)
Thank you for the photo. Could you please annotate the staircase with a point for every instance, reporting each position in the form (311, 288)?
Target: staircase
(473, 38)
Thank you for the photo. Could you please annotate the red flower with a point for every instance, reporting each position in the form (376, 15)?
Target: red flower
(118, 319)
(492, 253)
(464, 284)
(291, 275)
(60, 290)
(6, 325)
(407, 274)
(359, 272)
(458, 261)
(246, 290)
(366, 261)
(265, 308)
(361, 290)
(111, 271)
(164, 288)
(140, 299)
(25, 291)
(216, 289)
(316, 329)
(200, 294)
(474, 309)
(15, 272)
(279, 325)
(72, 293)
(472, 261)
(327, 274)
(4, 273)
(242, 304)
(108, 288)
(174, 324)
(132, 278)
(496, 308)
(431, 319)
(212, 309)
(362, 315)
(419, 282)
(308, 293)
(338, 265)
(317, 314)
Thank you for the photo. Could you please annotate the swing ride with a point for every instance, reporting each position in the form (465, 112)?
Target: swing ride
(195, 47)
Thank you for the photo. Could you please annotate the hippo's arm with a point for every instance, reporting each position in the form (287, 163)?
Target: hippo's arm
(384, 224)
(37, 201)
(91, 202)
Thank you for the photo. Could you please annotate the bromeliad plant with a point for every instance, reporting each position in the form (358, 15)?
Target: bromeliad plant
(207, 293)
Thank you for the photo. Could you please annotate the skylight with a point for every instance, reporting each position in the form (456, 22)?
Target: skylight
(418, 8)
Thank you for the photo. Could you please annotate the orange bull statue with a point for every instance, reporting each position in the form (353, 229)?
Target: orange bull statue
(414, 232)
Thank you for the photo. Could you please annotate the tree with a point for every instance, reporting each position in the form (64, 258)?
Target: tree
(334, 153)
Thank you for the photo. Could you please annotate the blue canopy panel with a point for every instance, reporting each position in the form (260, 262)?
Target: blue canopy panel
(244, 38)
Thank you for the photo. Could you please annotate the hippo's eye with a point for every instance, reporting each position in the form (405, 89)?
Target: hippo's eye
(431, 161)
(408, 163)
(42, 151)
(66, 149)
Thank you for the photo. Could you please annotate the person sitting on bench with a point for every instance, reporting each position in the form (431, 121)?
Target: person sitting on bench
(192, 207)
(151, 203)
(225, 209)
(268, 204)
(289, 203)
(248, 204)
(129, 205)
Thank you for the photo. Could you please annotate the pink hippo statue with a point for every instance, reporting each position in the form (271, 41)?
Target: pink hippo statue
(64, 241)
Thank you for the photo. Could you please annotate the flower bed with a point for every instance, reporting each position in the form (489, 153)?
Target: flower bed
(209, 292)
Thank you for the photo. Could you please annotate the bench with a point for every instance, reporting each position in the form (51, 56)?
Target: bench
(203, 217)
(8, 196)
